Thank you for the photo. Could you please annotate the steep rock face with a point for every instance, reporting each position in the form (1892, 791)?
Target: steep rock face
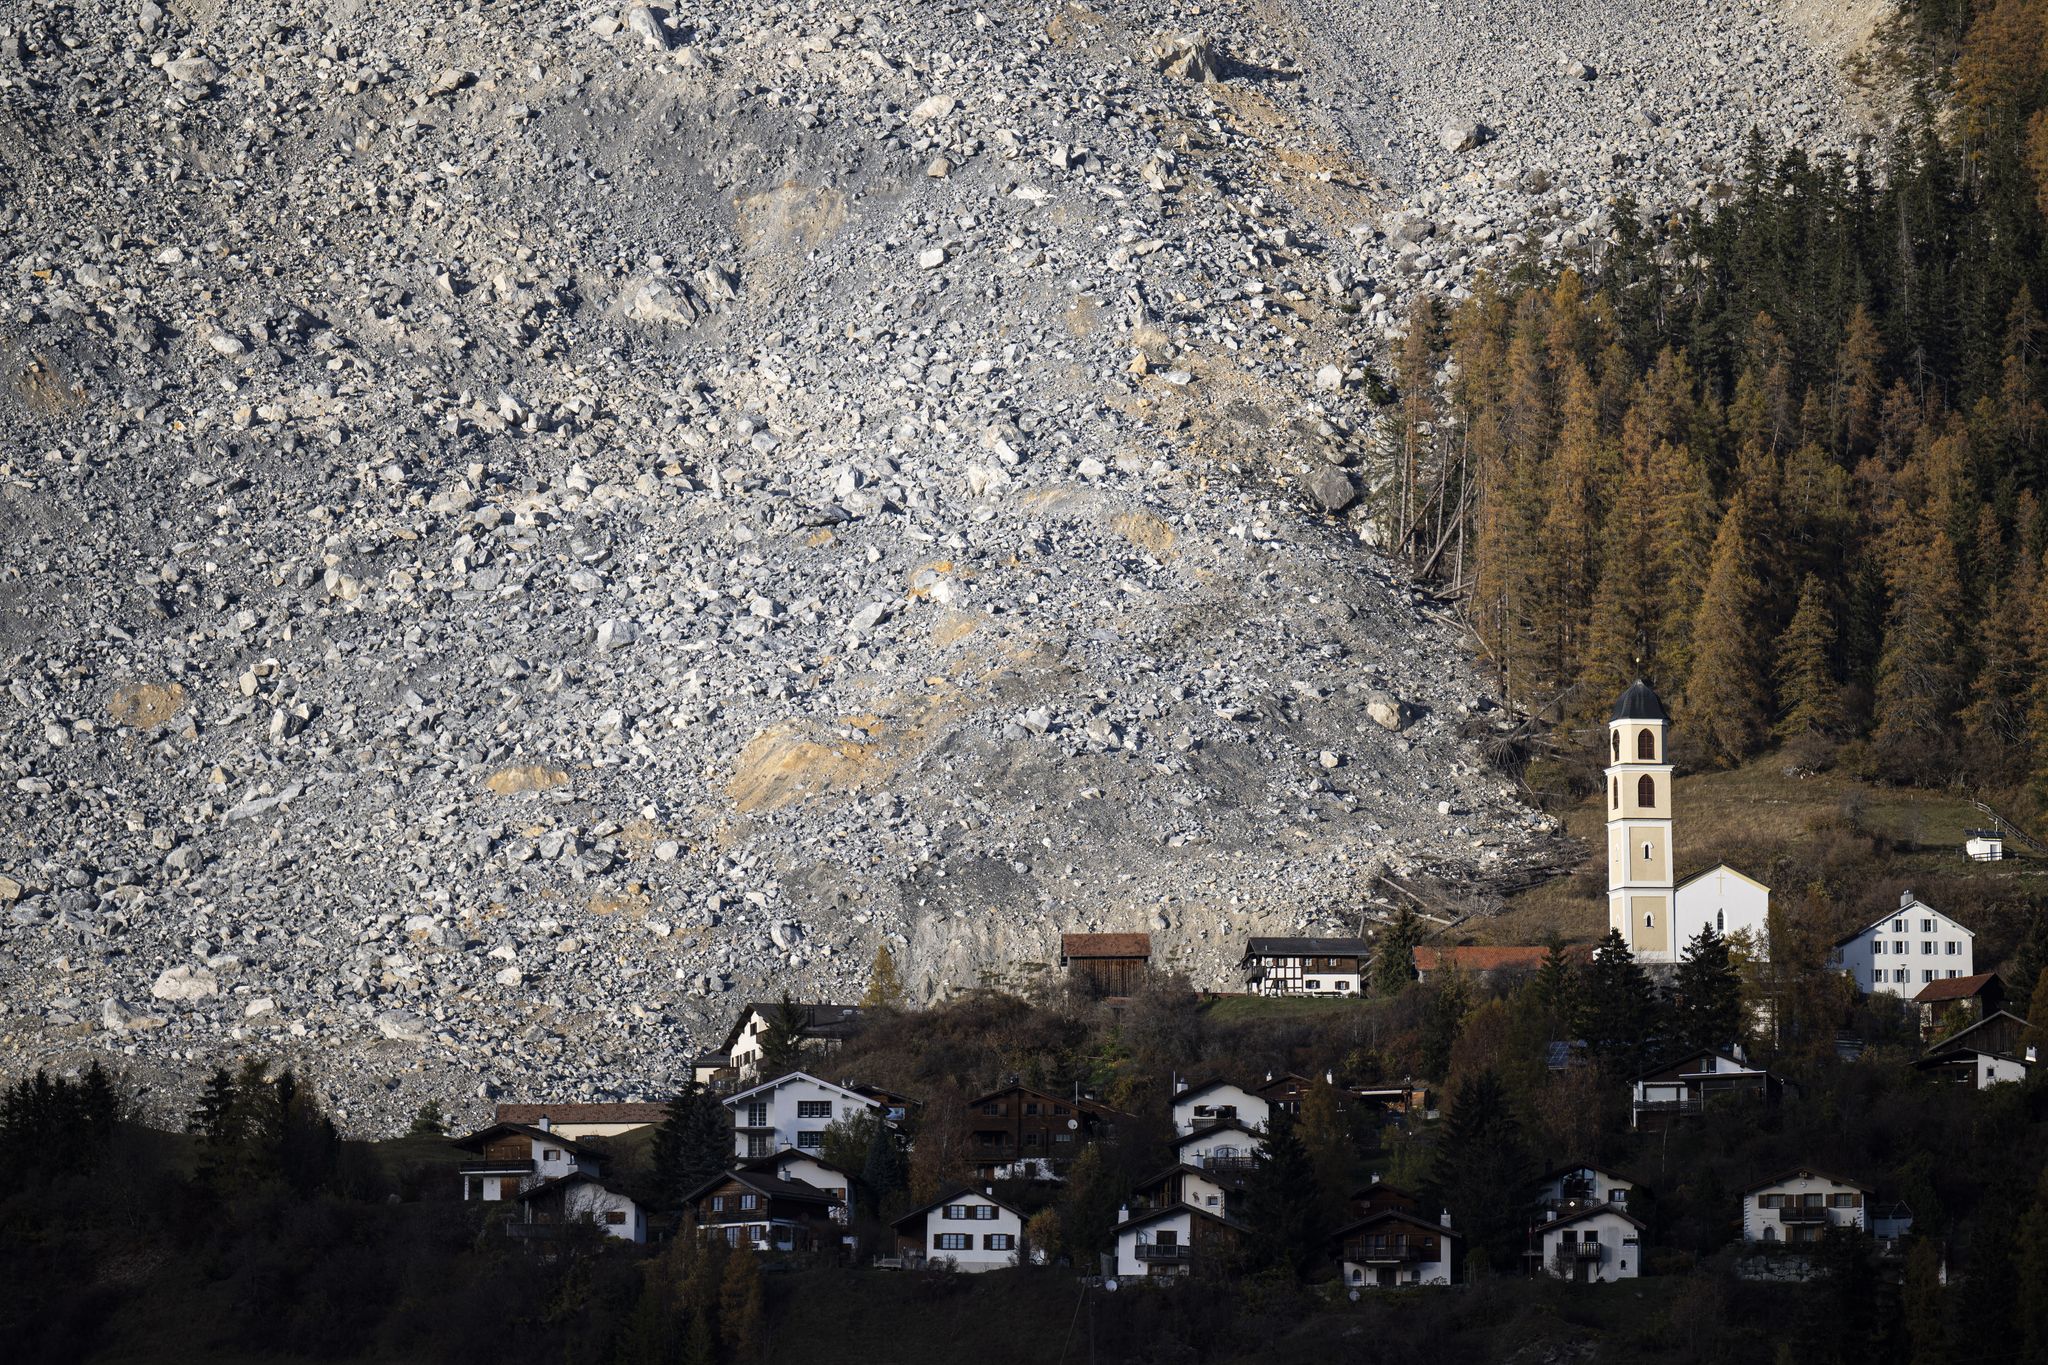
(518, 532)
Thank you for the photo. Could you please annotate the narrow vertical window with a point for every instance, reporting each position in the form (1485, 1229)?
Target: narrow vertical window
(1617, 793)
(1616, 737)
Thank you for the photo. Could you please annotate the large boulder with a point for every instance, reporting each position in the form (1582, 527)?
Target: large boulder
(1187, 56)
(185, 984)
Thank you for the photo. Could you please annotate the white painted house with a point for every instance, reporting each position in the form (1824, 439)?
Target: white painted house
(1215, 1102)
(791, 1111)
(1166, 1241)
(819, 1028)
(1220, 1147)
(1307, 966)
(1984, 845)
(1730, 903)
(580, 1198)
(967, 1229)
(1393, 1248)
(1800, 1206)
(1595, 1244)
(1904, 951)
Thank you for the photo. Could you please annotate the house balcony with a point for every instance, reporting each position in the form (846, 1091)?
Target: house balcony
(498, 1168)
(1154, 1253)
(1225, 1164)
(1390, 1254)
(1587, 1251)
(1813, 1215)
(1673, 1108)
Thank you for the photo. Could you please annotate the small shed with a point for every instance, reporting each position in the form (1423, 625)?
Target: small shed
(1984, 845)
(1108, 964)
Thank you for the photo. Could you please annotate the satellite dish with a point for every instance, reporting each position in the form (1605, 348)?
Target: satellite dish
(1354, 1296)
(1073, 1123)
(1110, 1285)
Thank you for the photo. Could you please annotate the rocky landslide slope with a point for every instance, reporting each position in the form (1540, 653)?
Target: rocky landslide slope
(525, 524)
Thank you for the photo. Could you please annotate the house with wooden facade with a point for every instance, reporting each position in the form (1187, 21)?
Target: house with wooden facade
(1996, 1050)
(965, 1229)
(507, 1158)
(1306, 966)
(1107, 964)
(1955, 1001)
(792, 1111)
(1219, 1188)
(1018, 1133)
(819, 1029)
(1397, 1246)
(805, 1168)
(560, 1202)
(754, 1208)
(1684, 1088)
(1174, 1240)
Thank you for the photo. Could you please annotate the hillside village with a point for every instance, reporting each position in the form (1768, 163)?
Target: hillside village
(808, 1166)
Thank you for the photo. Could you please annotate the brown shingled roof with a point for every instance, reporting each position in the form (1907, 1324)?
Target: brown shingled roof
(631, 1112)
(1955, 988)
(1105, 945)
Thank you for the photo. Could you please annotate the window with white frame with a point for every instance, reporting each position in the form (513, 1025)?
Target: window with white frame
(998, 1241)
(952, 1241)
(956, 1212)
(814, 1109)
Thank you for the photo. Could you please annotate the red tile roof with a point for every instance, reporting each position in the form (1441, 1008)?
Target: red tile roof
(1489, 959)
(635, 1112)
(1106, 945)
(1955, 988)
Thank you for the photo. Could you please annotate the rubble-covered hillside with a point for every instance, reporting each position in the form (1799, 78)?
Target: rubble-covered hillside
(525, 524)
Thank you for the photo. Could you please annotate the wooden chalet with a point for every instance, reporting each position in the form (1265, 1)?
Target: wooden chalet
(1959, 998)
(506, 1158)
(1175, 1240)
(752, 1208)
(1020, 1133)
(1998, 1048)
(1107, 964)
(1396, 1246)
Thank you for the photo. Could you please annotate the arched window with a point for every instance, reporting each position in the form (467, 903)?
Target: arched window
(1646, 853)
(1646, 744)
(1616, 737)
(1646, 791)
(1649, 920)
(1720, 923)
(1617, 793)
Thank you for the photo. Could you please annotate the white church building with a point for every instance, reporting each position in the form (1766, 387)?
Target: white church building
(1656, 914)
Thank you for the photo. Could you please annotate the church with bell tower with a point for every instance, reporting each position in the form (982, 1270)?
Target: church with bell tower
(1655, 914)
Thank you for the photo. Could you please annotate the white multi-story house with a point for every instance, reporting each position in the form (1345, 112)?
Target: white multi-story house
(579, 1198)
(1800, 1206)
(1596, 1243)
(1215, 1102)
(791, 1111)
(1306, 966)
(967, 1229)
(512, 1157)
(1168, 1240)
(1904, 951)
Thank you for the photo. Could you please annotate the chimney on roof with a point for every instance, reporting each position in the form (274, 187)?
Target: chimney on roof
(1180, 1085)
(1905, 899)
(1123, 1213)
(1375, 1177)
(1269, 1076)
(547, 1125)
(1444, 1218)
(1329, 1077)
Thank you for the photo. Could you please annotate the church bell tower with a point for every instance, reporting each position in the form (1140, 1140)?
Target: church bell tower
(1640, 892)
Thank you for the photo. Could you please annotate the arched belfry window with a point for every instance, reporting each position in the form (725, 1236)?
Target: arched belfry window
(1646, 791)
(1616, 737)
(1646, 745)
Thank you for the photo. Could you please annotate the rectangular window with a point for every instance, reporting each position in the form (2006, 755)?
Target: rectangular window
(750, 1201)
(1927, 947)
(1927, 976)
(757, 1114)
(953, 1241)
(718, 1203)
(1030, 1106)
(1841, 1201)
(994, 1108)
(1898, 926)
(550, 1154)
(1926, 926)
(1954, 948)
(1031, 1139)
(956, 1212)
(998, 1241)
(984, 1212)
(810, 1138)
(814, 1109)
(1166, 1238)
(615, 1217)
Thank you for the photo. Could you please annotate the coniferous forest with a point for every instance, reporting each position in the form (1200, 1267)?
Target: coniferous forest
(1785, 455)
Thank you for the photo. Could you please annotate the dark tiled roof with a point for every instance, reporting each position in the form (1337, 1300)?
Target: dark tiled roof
(1307, 947)
(1955, 988)
(1640, 702)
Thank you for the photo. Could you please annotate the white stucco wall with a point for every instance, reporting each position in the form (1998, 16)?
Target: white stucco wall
(1727, 902)
(782, 1103)
(1252, 1110)
(1756, 1218)
(978, 1255)
(1621, 1251)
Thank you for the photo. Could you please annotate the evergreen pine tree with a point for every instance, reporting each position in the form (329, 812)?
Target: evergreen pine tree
(1482, 1170)
(742, 1308)
(427, 1121)
(692, 1144)
(1284, 1208)
(1393, 963)
(1725, 693)
(782, 1040)
(1325, 1127)
(1706, 994)
(1617, 1006)
(1557, 982)
(1809, 698)
(1919, 675)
